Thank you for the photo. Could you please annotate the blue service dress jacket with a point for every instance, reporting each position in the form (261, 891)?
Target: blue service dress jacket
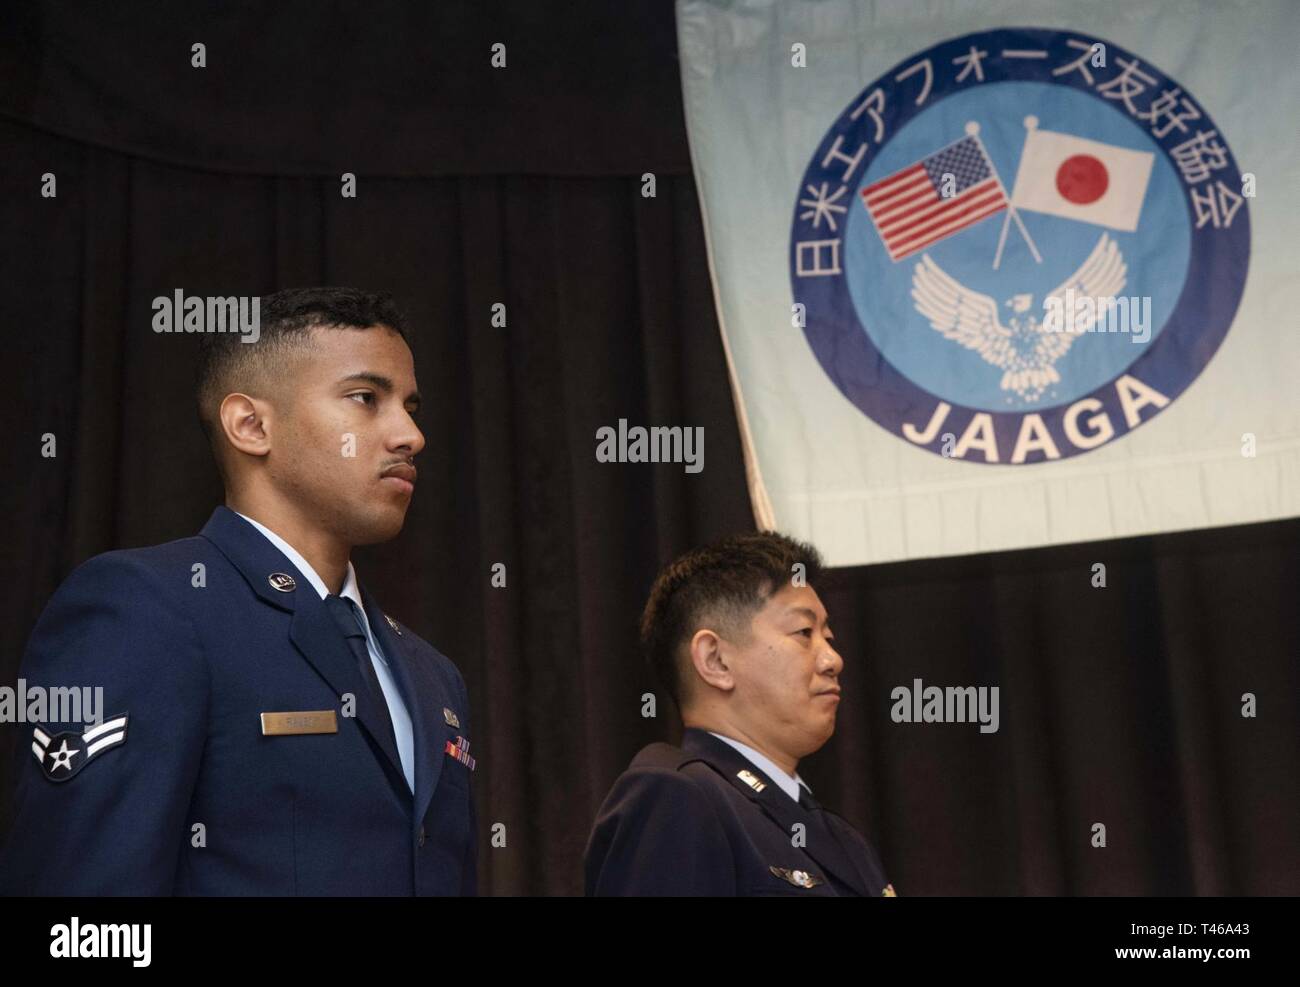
(183, 787)
(701, 819)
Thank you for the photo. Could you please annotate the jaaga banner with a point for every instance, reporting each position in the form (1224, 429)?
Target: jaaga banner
(989, 280)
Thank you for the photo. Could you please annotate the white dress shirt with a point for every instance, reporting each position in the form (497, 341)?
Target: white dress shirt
(396, 707)
(787, 783)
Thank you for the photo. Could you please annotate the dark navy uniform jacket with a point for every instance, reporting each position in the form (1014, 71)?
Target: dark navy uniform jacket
(690, 820)
(187, 672)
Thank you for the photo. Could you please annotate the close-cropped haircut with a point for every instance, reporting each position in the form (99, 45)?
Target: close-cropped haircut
(227, 364)
(725, 583)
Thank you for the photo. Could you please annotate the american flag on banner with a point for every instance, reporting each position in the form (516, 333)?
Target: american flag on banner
(910, 212)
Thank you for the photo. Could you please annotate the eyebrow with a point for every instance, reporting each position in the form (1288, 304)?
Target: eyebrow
(810, 614)
(381, 383)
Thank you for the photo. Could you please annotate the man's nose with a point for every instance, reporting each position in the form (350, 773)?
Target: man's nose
(408, 438)
(831, 660)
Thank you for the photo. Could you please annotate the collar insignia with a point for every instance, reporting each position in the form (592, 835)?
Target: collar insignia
(751, 779)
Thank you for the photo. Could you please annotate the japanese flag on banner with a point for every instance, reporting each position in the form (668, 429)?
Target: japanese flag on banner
(1076, 178)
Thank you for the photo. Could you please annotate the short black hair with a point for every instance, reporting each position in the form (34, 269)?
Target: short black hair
(729, 581)
(226, 362)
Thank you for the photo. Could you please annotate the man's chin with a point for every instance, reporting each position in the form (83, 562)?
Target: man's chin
(380, 527)
(827, 731)
(815, 741)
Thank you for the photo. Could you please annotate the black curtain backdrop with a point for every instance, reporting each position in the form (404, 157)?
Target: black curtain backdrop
(523, 186)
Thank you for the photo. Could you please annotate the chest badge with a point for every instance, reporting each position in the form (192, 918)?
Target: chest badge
(799, 878)
(459, 749)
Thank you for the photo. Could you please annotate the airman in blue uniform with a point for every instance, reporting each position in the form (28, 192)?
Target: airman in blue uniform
(213, 787)
(265, 728)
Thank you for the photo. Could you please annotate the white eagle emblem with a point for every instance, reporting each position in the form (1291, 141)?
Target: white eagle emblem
(1024, 349)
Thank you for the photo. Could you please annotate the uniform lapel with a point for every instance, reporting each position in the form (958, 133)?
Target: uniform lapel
(318, 638)
(312, 630)
(424, 702)
(776, 805)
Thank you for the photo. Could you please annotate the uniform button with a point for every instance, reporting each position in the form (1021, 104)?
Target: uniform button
(421, 840)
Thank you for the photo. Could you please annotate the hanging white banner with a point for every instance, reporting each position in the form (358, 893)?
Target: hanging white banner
(985, 286)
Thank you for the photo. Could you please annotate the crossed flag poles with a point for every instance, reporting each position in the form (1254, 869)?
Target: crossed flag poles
(1059, 174)
(911, 211)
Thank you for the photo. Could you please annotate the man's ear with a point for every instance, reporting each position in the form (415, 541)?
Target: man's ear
(706, 654)
(246, 423)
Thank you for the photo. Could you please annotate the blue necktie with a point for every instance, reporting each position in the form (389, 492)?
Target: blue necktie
(828, 844)
(348, 617)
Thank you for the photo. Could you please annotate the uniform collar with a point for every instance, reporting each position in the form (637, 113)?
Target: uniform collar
(763, 788)
(294, 556)
(787, 783)
(350, 590)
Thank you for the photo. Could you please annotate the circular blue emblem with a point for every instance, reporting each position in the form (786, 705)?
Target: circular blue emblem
(1019, 245)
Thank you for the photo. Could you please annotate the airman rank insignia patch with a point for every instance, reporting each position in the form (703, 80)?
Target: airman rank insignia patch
(63, 755)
